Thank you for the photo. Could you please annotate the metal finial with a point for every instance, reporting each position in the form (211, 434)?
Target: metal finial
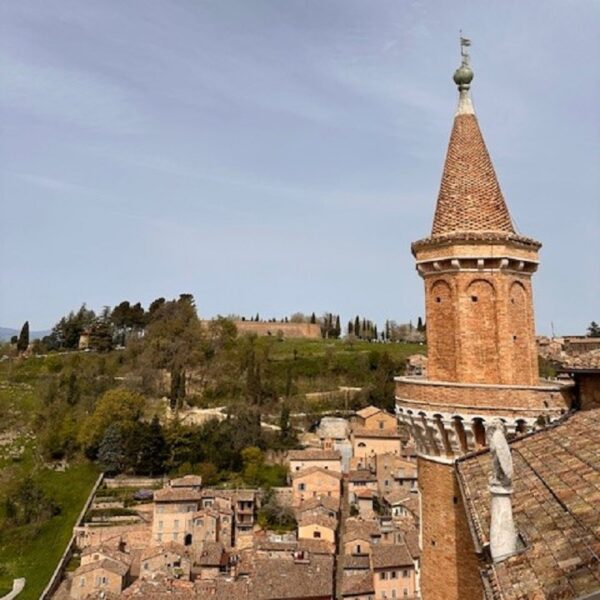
(464, 74)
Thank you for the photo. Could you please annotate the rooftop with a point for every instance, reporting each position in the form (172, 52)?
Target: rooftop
(177, 495)
(312, 470)
(314, 454)
(556, 505)
(360, 583)
(387, 556)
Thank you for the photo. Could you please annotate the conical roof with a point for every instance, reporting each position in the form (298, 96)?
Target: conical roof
(470, 199)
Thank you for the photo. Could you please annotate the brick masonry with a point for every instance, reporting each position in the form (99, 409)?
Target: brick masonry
(450, 565)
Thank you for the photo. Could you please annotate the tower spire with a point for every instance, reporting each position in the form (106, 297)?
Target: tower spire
(470, 199)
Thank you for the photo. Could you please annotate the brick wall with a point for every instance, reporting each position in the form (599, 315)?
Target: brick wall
(298, 330)
(449, 569)
(480, 327)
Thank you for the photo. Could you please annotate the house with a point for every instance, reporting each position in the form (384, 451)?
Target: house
(331, 431)
(318, 527)
(173, 510)
(373, 417)
(402, 504)
(321, 505)
(213, 525)
(304, 459)
(171, 559)
(359, 480)
(394, 473)
(360, 536)
(369, 442)
(365, 499)
(314, 482)
(393, 571)
(104, 575)
(213, 560)
(193, 482)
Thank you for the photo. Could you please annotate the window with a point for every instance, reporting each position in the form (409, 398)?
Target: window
(405, 573)
(386, 483)
(393, 593)
(381, 424)
(316, 534)
(82, 582)
(160, 509)
(382, 575)
(175, 536)
(159, 537)
(393, 574)
(190, 508)
(301, 487)
(176, 524)
(146, 566)
(160, 524)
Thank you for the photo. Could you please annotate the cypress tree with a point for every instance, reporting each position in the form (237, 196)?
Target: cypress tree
(357, 331)
(420, 324)
(338, 327)
(313, 318)
(23, 341)
(350, 328)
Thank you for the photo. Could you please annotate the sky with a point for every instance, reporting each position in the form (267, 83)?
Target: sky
(280, 156)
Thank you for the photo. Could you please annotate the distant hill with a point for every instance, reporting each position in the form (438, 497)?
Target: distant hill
(6, 333)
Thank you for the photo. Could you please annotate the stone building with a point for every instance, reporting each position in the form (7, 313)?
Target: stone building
(482, 359)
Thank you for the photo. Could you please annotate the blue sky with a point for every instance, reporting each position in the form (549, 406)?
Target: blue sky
(280, 156)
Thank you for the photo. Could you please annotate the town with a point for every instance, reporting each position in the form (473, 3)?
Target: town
(157, 453)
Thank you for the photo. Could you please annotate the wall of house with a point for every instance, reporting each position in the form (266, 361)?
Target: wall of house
(381, 420)
(394, 583)
(330, 465)
(315, 484)
(172, 521)
(323, 533)
(86, 584)
(365, 447)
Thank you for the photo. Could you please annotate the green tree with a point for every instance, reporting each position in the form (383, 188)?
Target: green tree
(27, 503)
(153, 450)
(115, 407)
(594, 329)
(174, 341)
(313, 318)
(23, 341)
(111, 451)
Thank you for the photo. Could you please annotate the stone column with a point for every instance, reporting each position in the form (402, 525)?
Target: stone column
(503, 536)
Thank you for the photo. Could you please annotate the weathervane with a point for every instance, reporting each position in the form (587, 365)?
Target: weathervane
(464, 44)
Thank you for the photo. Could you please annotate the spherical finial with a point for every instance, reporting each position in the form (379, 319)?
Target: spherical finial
(464, 74)
(463, 77)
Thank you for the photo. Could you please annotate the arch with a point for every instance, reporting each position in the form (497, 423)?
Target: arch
(460, 433)
(441, 331)
(519, 322)
(479, 432)
(188, 539)
(480, 342)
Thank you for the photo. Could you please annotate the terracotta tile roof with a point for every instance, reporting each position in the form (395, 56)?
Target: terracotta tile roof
(398, 497)
(311, 470)
(364, 493)
(279, 579)
(177, 495)
(411, 539)
(361, 475)
(161, 588)
(328, 502)
(173, 547)
(212, 555)
(318, 519)
(316, 546)
(387, 556)
(354, 585)
(107, 552)
(314, 454)
(556, 506)
(358, 529)
(368, 411)
(470, 198)
(107, 564)
(356, 562)
(363, 432)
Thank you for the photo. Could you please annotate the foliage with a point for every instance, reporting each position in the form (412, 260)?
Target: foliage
(23, 341)
(272, 515)
(594, 329)
(27, 503)
(111, 451)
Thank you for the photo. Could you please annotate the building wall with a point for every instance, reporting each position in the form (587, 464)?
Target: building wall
(381, 420)
(358, 546)
(365, 447)
(400, 580)
(315, 484)
(330, 465)
(172, 521)
(323, 533)
(449, 565)
(298, 330)
(86, 584)
(480, 327)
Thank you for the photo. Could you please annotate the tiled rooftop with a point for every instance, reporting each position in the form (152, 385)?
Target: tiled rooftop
(556, 505)
(387, 556)
(314, 454)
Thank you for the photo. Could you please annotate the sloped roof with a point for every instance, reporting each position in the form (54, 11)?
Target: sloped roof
(355, 585)
(386, 556)
(470, 198)
(107, 564)
(328, 502)
(314, 454)
(363, 432)
(186, 481)
(556, 507)
(368, 411)
(177, 495)
(361, 475)
(317, 519)
(311, 470)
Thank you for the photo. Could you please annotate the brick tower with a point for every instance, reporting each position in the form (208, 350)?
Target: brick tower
(481, 346)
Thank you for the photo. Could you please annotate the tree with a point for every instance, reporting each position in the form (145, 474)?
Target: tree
(101, 337)
(350, 328)
(146, 448)
(174, 341)
(357, 330)
(27, 502)
(14, 340)
(338, 327)
(313, 318)
(420, 324)
(111, 451)
(115, 407)
(594, 329)
(23, 341)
